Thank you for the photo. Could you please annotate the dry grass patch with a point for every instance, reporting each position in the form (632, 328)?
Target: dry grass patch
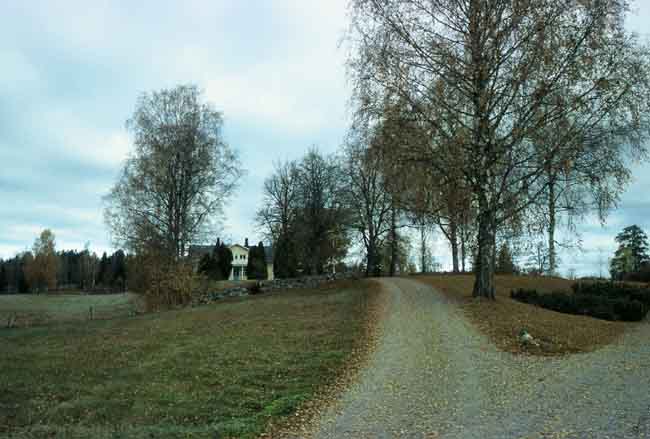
(502, 319)
(224, 370)
(45, 309)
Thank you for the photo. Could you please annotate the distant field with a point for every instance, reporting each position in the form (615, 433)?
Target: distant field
(502, 319)
(38, 309)
(222, 370)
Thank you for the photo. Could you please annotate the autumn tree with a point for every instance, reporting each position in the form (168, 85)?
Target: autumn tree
(41, 270)
(488, 79)
(174, 185)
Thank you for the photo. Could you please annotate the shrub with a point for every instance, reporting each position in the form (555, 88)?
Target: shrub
(614, 290)
(163, 283)
(172, 285)
(256, 288)
(526, 296)
(593, 301)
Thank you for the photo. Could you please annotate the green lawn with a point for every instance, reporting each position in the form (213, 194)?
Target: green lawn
(38, 309)
(222, 370)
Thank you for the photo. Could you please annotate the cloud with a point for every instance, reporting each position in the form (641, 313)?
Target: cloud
(72, 71)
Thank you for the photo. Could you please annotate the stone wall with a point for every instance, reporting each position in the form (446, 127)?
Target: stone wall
(269, 286)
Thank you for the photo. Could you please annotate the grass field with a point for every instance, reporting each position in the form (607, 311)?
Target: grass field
(39, 309)
(502, 319)
(224, 370)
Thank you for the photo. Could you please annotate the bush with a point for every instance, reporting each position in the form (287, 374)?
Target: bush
(256, 288)
(526, 296)
(614, 290)
(172, 285)
(594, 302)
(162, 283)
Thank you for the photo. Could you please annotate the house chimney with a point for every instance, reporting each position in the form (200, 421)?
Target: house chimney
(246, 242)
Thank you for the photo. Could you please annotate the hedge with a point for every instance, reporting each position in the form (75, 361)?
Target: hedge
(594, 303)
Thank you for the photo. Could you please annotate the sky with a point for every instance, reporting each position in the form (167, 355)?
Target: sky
(71, 71)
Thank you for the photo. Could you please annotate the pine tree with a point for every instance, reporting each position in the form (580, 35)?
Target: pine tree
(505, 263)
(256, 268)
(103, 273)
(3, 277)
(632, 252)
(223, 260)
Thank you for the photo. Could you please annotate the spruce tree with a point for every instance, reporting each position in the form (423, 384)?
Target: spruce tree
(632, 252)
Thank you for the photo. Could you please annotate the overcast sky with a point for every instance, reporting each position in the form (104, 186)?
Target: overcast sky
(71, 72)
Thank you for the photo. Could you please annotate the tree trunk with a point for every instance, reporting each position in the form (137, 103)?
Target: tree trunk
(372, 269)
(552, 263)
(463, 250)
(393, 243)
(453, 238)
(423, 244)
(484, 281)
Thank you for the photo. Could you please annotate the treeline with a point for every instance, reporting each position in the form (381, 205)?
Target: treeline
(44, 269)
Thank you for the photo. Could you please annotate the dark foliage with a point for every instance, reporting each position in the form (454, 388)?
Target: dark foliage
(256, 268)
(217, 265)
(209, 267)
(632, 253)
(223, 257)
(256, 288)
(505, 263)
(285, 263)
(3, 278)
(600, 300)
(642, 275)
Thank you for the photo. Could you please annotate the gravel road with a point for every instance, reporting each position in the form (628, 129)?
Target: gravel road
(434, 376)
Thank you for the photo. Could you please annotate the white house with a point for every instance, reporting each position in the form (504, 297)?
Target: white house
(239, 259)
(239, 262)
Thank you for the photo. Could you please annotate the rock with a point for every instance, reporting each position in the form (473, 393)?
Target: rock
(526, 339)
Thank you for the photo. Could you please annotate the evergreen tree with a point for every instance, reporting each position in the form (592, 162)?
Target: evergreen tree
(208, 266)
(632, 252)
(118, 269)
(223, 257)
(217, 265)
(505, 263)
(104, 271)
(22, 283)
(256, 268)
(3, 277)
(285, 263)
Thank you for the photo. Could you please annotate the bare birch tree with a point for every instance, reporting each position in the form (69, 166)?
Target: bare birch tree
(488, 78)
(175, 183)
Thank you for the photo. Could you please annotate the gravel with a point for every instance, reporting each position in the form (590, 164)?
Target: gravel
(433, 375)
